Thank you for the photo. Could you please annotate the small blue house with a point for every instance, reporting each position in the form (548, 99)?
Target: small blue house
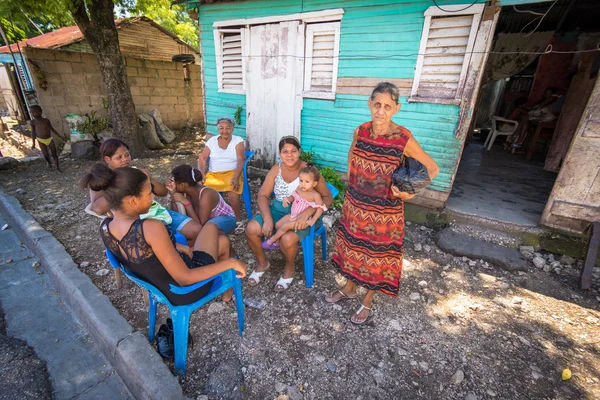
(306, 68)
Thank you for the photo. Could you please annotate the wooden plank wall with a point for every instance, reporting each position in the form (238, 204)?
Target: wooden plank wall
(379, 41)
(141, 40)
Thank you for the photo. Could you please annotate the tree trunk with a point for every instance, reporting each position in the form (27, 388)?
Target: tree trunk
(101, 34)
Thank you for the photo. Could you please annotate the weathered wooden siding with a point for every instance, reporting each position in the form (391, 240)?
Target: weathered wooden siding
(141, 39)
(379, 39)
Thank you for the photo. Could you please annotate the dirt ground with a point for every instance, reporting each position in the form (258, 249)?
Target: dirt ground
(459, 329)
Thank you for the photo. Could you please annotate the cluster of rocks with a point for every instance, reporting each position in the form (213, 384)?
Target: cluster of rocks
(547, 262)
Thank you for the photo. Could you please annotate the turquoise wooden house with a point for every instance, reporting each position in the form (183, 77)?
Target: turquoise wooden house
(306, 68)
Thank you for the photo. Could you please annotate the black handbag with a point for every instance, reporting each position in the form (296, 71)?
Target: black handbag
(411, 176)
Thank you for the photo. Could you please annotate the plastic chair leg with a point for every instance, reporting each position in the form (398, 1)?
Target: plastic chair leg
(181, 323)
(151, 316)
(239, 303)
(324, 244)
(247, 200)
(493, 139)
(308, 247)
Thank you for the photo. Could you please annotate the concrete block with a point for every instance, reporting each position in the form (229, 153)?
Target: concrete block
(133, 62)
(137, 81)
(89, 58)
(53, 78)
(160, 91)
(148, 376)
(94, 79)
(147, 72)
(77, 100)
(38, 54)
(176, 74)
(96, 90)
(56, 100)
(132, 72)
(171, 83)
(76, 79)
(170, 100)
(142, 100)
(177, 91)
(181, 100)
(68, 56)
(58, 90)
(164, 73)
(82, 68)
(156, 82)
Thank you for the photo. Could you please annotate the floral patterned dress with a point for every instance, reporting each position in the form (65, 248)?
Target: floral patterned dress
(368, 246)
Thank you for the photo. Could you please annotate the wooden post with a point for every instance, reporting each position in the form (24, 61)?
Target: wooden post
(590, 260)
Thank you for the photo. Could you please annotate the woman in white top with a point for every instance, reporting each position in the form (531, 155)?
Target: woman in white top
(225, 168)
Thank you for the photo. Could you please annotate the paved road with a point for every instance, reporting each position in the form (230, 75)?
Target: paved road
(35, 313)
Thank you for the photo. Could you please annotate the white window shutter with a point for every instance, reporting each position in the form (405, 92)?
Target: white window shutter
(229, 52)
(444, 53)
(321, 61)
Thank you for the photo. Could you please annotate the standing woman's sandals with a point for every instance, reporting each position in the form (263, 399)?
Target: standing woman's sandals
(354, 318)
(283, 284)
(343, 296)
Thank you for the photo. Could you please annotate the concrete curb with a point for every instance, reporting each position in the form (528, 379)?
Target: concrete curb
(129, 352)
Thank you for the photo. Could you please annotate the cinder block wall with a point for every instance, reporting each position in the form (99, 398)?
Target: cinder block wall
(75, 85)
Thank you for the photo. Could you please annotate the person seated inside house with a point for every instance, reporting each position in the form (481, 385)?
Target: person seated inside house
(226, 164)
(115, 154)
(545, 111)
(146, 246)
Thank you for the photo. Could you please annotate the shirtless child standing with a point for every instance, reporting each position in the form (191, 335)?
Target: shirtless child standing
(41, 130)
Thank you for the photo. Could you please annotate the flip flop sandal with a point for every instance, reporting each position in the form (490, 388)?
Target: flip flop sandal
(269, 245)
(356, 314)
(239, 228)
(254, 278)
(283, 284)
(343, 296)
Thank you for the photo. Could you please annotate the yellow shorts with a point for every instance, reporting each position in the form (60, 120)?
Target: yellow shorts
(44, 141)
(221, 181)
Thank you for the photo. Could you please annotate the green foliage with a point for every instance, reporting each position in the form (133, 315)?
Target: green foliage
(29, 18)
(93, 124)
(309, 156)
(238, 115)
(173, 18)
(334, 178)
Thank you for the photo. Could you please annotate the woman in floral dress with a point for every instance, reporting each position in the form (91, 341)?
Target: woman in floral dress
(368, 247)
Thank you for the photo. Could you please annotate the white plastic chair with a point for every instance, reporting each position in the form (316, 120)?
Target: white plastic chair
(511, 127)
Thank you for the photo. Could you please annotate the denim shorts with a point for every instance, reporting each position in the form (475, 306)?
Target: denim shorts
(179, 220)
(225, 223)
(278, 211)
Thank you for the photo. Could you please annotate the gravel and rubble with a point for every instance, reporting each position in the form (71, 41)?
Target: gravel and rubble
(460, 329)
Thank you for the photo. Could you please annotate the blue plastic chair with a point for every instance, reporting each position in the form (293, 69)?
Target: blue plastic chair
(308, 245)
(246, 195)
(181, 314)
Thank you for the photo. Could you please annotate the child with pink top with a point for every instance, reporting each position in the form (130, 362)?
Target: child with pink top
(305, 196)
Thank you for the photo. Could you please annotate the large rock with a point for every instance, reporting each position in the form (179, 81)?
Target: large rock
(462, 245)
(151, 139)
(7, 163)
(163, 132)
(85, 149)
(224, 379)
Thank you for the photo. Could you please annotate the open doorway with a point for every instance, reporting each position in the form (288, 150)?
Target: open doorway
(528, 109)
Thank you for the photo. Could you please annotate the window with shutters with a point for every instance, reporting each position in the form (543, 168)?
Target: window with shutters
(445, 53)
(230, 49)
(321, 60)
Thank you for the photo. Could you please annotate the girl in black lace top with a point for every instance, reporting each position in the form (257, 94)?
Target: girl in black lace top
(146, 247)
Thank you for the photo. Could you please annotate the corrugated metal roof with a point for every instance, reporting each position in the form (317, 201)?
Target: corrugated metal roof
(71, 34)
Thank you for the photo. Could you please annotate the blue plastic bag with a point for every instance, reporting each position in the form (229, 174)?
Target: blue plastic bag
(411, 177)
